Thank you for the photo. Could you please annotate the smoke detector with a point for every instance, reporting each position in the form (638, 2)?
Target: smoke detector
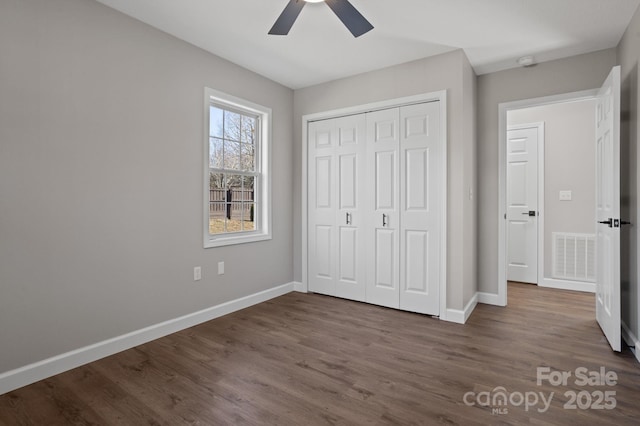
(526, 61)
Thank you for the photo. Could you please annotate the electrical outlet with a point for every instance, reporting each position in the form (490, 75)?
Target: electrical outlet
(220, 268)
(197, 273)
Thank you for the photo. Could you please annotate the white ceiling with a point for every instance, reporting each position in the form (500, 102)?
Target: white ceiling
(493, 33)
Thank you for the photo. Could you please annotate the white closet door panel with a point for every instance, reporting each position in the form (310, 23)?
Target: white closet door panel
(322, 272)
(322, 202)
(385, 183)
(323, 190)
(382, 196)
(417, 270)
(350, 150)
(348, 181)
(385, 246)
(417, 178)
(420, 195)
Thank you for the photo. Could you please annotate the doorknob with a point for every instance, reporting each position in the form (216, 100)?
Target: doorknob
(607, 222)
(384, 220)
(530, 213)
(348, 218)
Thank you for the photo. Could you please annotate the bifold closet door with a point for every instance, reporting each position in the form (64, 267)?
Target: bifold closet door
(336, 244)
(382, 207)
(420, 206)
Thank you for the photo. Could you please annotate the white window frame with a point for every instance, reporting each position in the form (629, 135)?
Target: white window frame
(263, 166)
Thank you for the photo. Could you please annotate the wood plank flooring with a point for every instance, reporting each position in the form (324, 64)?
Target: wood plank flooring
(305, 359)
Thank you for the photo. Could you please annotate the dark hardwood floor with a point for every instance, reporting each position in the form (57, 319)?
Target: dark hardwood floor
(312, 360)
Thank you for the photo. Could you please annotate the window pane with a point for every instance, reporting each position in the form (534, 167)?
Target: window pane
(232, 126)
(247, 157)
(216, 182)
(216, 153)
(232, 155)
(248, 130)
(217, 218)
(247, 186)
(249, 223)
(215, 121)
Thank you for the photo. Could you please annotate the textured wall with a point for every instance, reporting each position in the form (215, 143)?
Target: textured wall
(101, 180)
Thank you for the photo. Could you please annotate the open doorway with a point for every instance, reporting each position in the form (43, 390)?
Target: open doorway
(561, 220)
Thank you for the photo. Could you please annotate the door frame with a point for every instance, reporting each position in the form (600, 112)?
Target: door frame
(501, 298)
(540, 195)
(439, 96)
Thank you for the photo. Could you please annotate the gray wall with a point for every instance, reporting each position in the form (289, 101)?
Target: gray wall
(550, 78)
(628, 56)
(447, 71)
(101, 180)
(569, 164)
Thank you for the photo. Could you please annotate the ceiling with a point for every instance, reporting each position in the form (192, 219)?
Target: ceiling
(493, 33)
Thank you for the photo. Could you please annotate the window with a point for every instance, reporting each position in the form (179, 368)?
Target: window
(237, 181)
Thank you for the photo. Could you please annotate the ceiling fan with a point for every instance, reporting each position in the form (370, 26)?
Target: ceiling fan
(350, 17)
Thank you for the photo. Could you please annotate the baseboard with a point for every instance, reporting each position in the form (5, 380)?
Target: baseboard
(31, 373)
(298, 286)
(631, 340)
(567, 285)
(489, 299)
(461, 317)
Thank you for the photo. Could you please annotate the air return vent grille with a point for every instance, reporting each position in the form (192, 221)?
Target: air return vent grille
(574, 256)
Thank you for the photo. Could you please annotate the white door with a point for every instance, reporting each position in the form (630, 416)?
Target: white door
(522, 205)
(420, 198)
(383, 219)
(608, 208)
(322, 207)
(350, 149)
(336, 245)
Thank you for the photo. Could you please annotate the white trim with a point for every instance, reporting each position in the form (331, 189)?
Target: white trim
(568, 285)
(440, 96)
(31, 373)
(503, 108)
(298, 286)
(489, 299)
(303, 208)
(264, 195)
(461, 317)
(631, 340)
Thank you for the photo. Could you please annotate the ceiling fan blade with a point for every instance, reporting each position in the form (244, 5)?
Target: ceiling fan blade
(350, 17)
(287, 17)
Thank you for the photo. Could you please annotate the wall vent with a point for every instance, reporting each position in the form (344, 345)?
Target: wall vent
(574, 256)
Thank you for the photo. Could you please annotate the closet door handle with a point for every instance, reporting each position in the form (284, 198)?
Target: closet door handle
(384, 220)
(348, 219)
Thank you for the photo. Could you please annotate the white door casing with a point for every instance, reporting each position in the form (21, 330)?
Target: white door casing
(522, 205)
(382, 229)
(608, 209)
(420, 186)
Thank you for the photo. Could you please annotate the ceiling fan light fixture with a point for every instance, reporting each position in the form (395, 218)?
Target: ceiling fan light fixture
(350, 17)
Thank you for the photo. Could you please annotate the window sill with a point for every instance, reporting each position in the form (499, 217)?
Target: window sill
(228, 240)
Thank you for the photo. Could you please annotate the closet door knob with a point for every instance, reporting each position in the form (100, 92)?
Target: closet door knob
(348, 219)
(384, 220)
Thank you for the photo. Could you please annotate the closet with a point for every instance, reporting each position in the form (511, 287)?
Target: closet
(374, 197)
